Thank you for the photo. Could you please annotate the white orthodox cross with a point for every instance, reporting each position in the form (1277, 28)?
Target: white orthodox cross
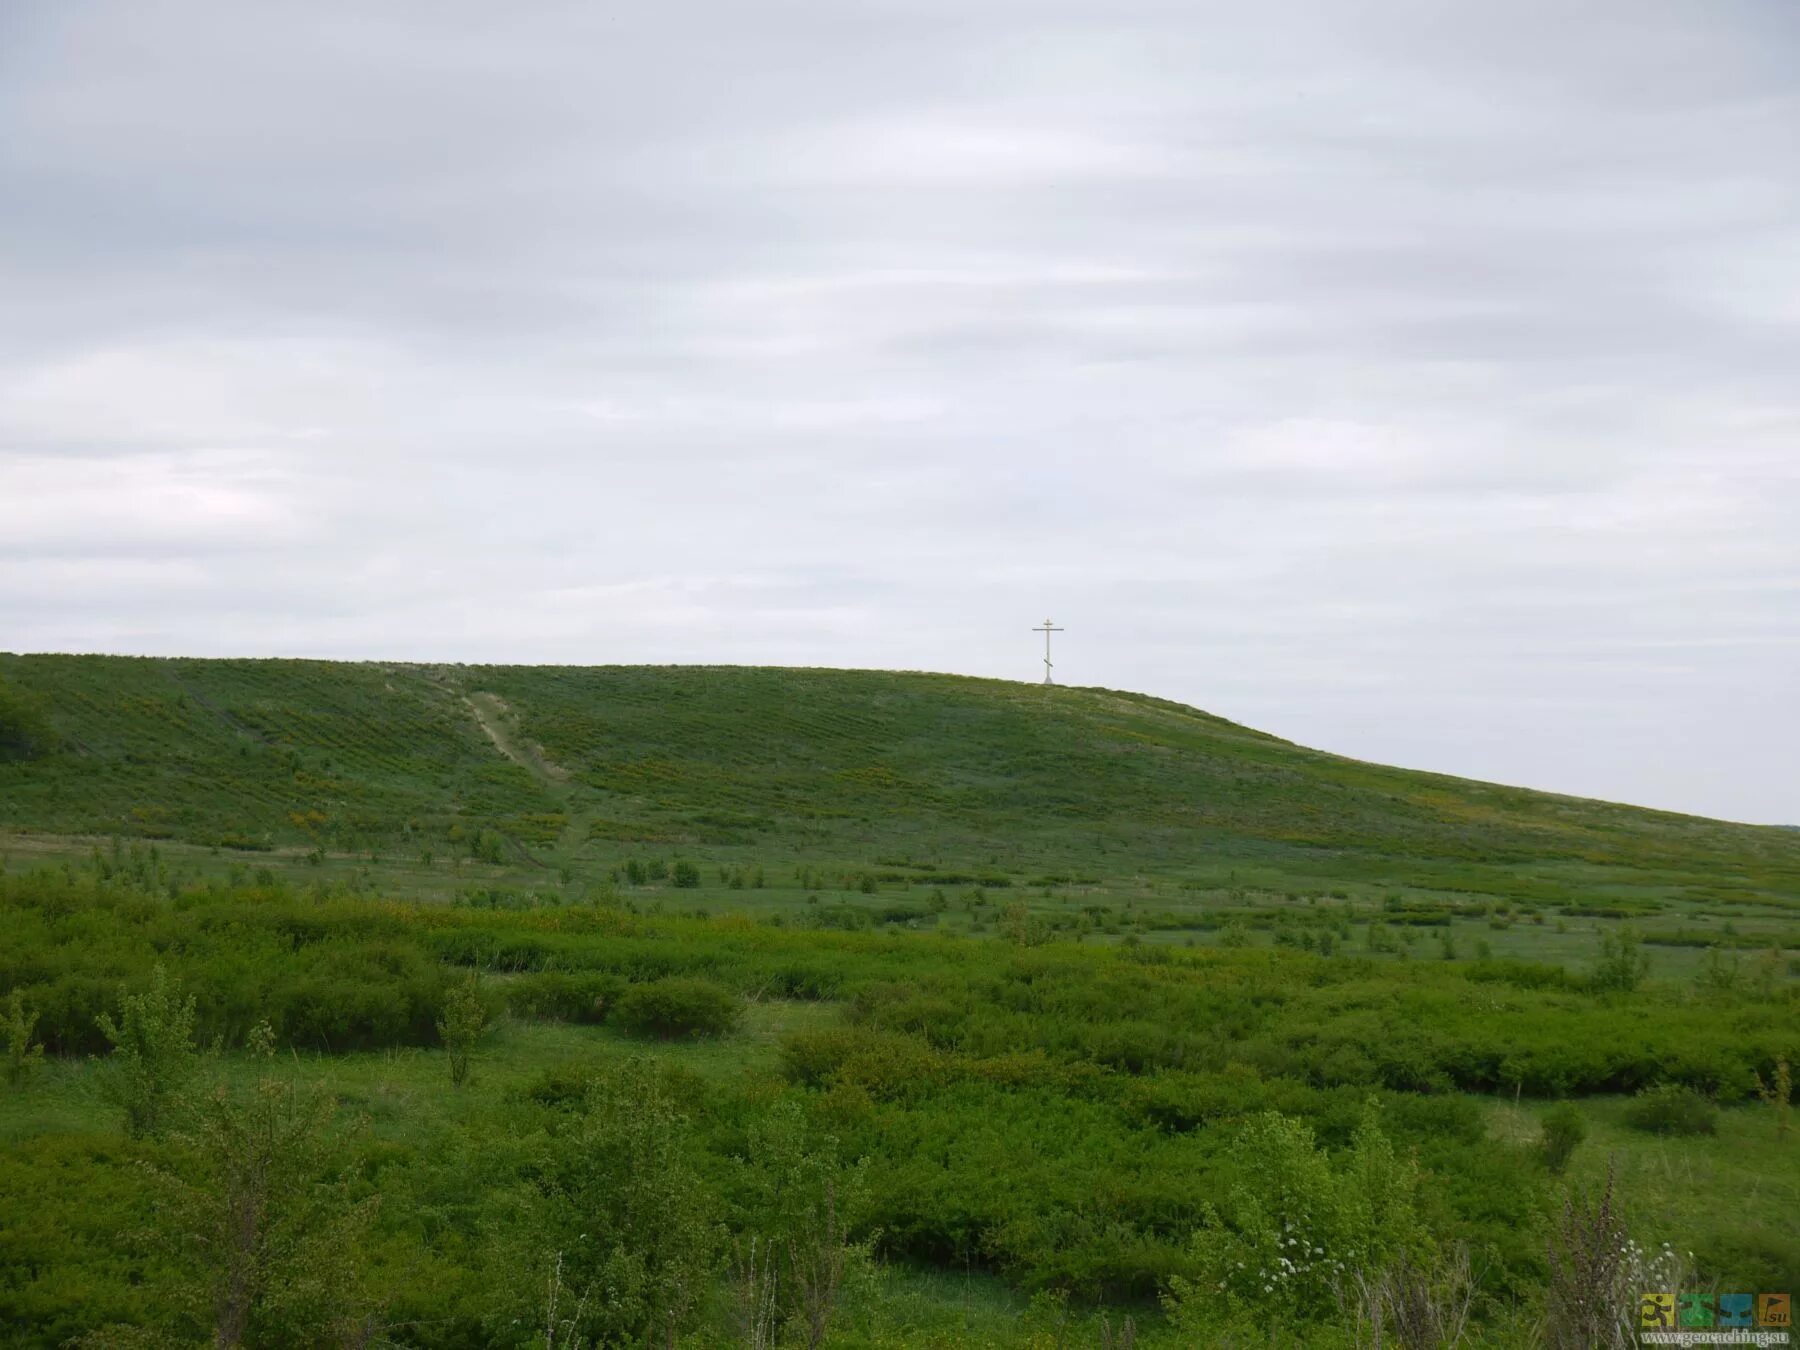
(1047, 628)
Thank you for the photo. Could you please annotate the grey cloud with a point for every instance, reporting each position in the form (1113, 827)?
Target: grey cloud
(1412, 380)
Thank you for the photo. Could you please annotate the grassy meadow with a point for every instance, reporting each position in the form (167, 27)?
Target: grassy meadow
(464, 1006)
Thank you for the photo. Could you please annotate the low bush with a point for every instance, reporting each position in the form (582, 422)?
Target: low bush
(1670, 1108)
(563, 996)
(562, 1087)
(1564, 1129)
(885, 1064)
(678, 1006)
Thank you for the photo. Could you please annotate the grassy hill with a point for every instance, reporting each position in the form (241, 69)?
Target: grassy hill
(897, 774)
(1076, 1000)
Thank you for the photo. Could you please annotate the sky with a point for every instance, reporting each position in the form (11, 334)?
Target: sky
(1417, 381)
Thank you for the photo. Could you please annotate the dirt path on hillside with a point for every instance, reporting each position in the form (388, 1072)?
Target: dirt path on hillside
(497, 719)
(493, 716)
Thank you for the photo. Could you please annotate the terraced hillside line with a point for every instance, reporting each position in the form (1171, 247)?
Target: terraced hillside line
(229, 719)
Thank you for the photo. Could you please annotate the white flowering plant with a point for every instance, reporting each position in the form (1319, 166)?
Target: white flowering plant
(1297, 1224)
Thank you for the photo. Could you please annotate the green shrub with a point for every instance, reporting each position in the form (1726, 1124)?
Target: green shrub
(1295, 1224)
(460, 1026)
(488, 846)
(563, 996)
(561, 1087)
(624, 1210)
(801, 1202)
(1622, 964)
(686, 875)
(1670, 1108)
(678, 1006)
(811, 1058)
(887, 1065)
(1778, 1095)
(1564, 1129)
(24, 729)
(22, 1052)
(268, 1224)
(153, 1053)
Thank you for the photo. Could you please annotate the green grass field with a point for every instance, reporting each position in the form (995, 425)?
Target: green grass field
(1039, 983)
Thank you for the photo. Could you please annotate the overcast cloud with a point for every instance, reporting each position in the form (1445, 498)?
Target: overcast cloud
(1415, 380)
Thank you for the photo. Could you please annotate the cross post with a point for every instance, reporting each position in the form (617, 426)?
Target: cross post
(1047, 628)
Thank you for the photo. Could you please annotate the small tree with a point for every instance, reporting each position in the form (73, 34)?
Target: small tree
(22, 1053)
(268, 1219)
(153, 1053)
(802, 1201)
(1622, 964)
(1564, 1129)
(1778, 1093)
(630, 1216)
(1718, 973)
(1022, 926)
(460, 1026)
(24, 729)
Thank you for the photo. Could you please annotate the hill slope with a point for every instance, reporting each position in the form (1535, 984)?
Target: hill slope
(588, 765)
